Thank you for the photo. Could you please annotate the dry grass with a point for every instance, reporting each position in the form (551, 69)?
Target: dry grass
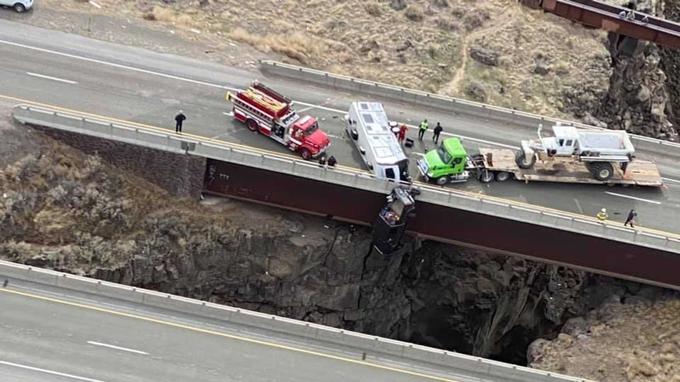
(425, 45)
(298, 46)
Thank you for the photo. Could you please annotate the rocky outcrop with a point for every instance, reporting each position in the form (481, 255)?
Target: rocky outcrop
(637, 97)
(670, 62)
(626, 339)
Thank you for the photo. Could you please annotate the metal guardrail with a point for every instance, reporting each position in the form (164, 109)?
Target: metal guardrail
(449, 198)
(459, 105)
(361, 343)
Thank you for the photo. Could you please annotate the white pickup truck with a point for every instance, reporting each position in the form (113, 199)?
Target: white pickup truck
(599, 151)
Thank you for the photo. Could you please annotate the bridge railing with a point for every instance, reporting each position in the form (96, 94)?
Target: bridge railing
(363, 347)
(458, 105)
(345, 176)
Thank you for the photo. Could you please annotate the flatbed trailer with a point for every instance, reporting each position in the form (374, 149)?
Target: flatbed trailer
(500, 164)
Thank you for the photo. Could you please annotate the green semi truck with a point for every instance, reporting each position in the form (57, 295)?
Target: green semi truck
(451, 163)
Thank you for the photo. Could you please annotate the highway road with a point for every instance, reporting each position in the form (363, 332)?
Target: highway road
(127, 83)
(51, 334)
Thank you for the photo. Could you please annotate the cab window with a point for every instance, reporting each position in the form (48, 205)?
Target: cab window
(389, 173)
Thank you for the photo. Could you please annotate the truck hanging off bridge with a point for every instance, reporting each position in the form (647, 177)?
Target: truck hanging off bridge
(570, 156)
(268, 112)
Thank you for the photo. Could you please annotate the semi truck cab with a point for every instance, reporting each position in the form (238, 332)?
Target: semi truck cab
(446, 164)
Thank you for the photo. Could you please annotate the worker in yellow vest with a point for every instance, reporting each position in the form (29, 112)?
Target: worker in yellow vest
(422, 129)
(602, 215)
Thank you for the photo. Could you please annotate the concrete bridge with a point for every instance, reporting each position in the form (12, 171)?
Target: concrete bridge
(353, 195)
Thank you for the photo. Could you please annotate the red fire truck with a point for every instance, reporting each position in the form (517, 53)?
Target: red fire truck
(265, 110)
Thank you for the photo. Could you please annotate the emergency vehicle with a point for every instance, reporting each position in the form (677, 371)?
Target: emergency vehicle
(367, 125)
(268, 112)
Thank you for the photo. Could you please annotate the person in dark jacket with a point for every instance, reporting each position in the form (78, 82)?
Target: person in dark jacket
(631, 218)
(435, 134)
(179, 119)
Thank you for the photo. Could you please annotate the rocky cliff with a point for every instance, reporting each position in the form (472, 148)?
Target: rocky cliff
(638, 98)
(670, 62)
(627, 339)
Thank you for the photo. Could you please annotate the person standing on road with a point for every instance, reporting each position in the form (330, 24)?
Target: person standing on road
(602, 215)
(402, 133)
(422, 129)
(332, 161)
(179, 120)
(435, 134)
(631, 218)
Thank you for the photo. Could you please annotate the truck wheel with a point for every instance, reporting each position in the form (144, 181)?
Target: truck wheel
(502, 176)
(601, 171)
(306, 154)
(523, 162)
(485, 176)
(442, 181)
(252, 125)
(19, 8)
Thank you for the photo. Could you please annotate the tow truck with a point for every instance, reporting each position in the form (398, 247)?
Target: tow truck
(570, 156)
(268, 112)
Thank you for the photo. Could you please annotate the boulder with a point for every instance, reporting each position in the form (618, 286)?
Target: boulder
(484, 55)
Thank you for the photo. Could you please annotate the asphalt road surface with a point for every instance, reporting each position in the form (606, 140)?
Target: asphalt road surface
(49, 334)
(138, 85)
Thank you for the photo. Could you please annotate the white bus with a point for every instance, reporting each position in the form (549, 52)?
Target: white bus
(368, 127)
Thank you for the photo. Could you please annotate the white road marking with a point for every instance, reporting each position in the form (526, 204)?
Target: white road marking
(312, 106)
(117, 347)
(51, 78)
(231, 114)
(95, 4)
(335, 136)
(305, 109)
(578, 205)
(483, 141)
(671, 180)
(632, 197)
(120, 66)
(49, 372)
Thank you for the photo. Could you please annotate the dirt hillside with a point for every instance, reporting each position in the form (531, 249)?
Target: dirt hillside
(495, 51)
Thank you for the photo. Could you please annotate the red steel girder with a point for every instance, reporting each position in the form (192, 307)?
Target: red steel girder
(604, 16)
(450, 225)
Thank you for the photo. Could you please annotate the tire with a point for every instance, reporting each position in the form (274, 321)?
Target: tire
(486, 176)
(502, 176)
(522, 162)
(601, 171)
(442, 180)
(305, 154)
(19, 8)
(252, 125)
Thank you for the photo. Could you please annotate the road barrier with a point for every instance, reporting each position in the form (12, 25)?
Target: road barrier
(458, 105)
(363, 345)
(449, 198)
